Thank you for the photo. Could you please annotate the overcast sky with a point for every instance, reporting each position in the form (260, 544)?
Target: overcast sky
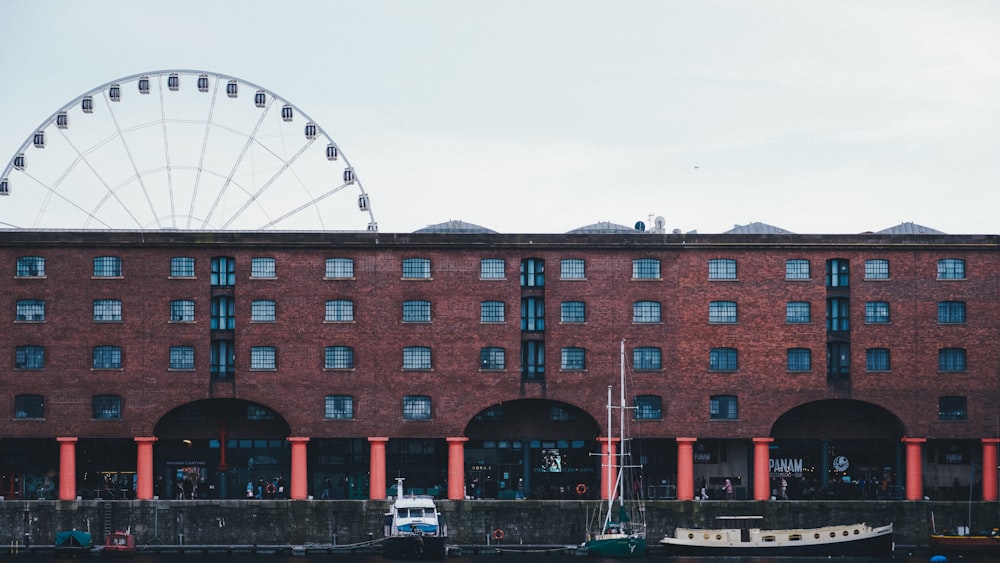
(543, 116)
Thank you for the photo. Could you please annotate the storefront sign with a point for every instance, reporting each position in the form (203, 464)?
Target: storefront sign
(785, 467)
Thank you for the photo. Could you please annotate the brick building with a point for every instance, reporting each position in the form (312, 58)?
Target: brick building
(851, 365)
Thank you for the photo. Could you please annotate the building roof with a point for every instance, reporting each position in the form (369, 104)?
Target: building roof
(757, 228)
(602, 228)
(455, 226)
(910, 228)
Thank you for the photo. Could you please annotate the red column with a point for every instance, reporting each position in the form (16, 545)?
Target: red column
(456, 468)
(762, 468)
(144, 468)
(685, 468)
(609, 467)
(299, 487)
(376, 468)
(990, 468)
(914, 468)
(67, 468)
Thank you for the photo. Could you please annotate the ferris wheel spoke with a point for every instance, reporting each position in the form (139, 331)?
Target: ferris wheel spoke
(166, 157)
(135, 171)
(253, 198)
(201, 156)
(304, 206)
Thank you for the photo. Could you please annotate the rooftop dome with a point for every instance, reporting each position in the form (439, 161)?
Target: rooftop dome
(910, 228)
(602, 228)
(757, 228)
(455, 226)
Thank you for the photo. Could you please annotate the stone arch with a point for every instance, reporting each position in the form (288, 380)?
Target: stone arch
(203, 419)
(838, 419)
(532, 418)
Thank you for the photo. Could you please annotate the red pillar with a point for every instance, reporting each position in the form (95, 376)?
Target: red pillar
(456, 468)
(376, 468)
(67, 468)
(685, 468)
(144, 468)
(609, 467)
(990, 468)
(762, 468)
(299, 487)
(914, 468)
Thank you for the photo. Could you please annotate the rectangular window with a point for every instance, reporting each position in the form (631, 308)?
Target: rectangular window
(797, 312)
(107, 357)
(492, 312)
(339, 311)
(182, 311)
(838, 361)
(572, 312)
(646, 358)
(723, 407)
(416, 311)
(31, 310)
(416, 268)
(263, 357)
(877, 359)
(572, 269)
(417, 358)
(951, 359)
(30, 267)
(532, 360)
(532, 314)
(182, 357)
(492, 269)
(799, 359)
(29, 406)
(339, 357)
(223, 359)
(951, 269)
(262, 311)
(952, 408)
(339, 407)
(107, 310)
(648, 407)
(837, 315)
(29, 357)
(223, 313)
(722, 359)
(951, 312)
(645, 269)
(107, 267)
(722, 269)
(492, 358)
(262, 268)
(877, 312)
(223, 271)
(416, 407)
(532, 272)
(646, 312)
(106, 407)
(339, 268)
(796, 269)
(838, 272)
(182, 267)
(877, 269)
(572, 359)
(723, 312)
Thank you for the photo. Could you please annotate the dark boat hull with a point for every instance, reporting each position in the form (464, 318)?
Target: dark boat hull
(964, 544)
(415, 547)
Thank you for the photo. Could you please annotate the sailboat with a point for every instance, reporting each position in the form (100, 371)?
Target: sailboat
(622, 530)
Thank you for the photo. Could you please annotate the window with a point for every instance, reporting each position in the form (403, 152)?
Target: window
(951, 269)
(877, 312)
(416, 407)
(532, 272)
(838, 361)
(572, 359)
(646, 358)
(648, 407)
(951, 359)
(223, 359)
(952, 408)
(107, 357)
(107, 267)
(723, 407)
(262, 268)
(29, 357)
(532, 314)
(260, 412)
(722, 269)
(182, 311)
(722, 359)
(491, 312)
(29, 406)
(182, 267)
(417, 358)
(416, 311)
(796, 269)
(30, 310)
(837, 314)
(338, 357)
(416, 268)
(338, 407)
(532, 360)
(262, 311)
(339, 268)
(572, 269)
(572, 312)
(646, 312)
(877, 359)
(559, 414)
(799, 359)
(838, 272)
(181, 357)
(722, 312)
(108, 310)
(106, 407)
(492, 269)
(339, 311)
(223, 271)
(877, 269)
(491, 358)
(645, 269)
(263, 357)
(30, 267)
(951, 312)
(797, 312)
(223, 313)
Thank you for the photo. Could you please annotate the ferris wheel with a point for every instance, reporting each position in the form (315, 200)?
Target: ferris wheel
(182, 149)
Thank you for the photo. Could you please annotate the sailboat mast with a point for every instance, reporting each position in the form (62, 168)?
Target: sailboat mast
(621, 425)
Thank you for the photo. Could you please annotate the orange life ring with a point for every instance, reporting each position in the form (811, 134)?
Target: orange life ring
(498, 534)
(581, 489)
